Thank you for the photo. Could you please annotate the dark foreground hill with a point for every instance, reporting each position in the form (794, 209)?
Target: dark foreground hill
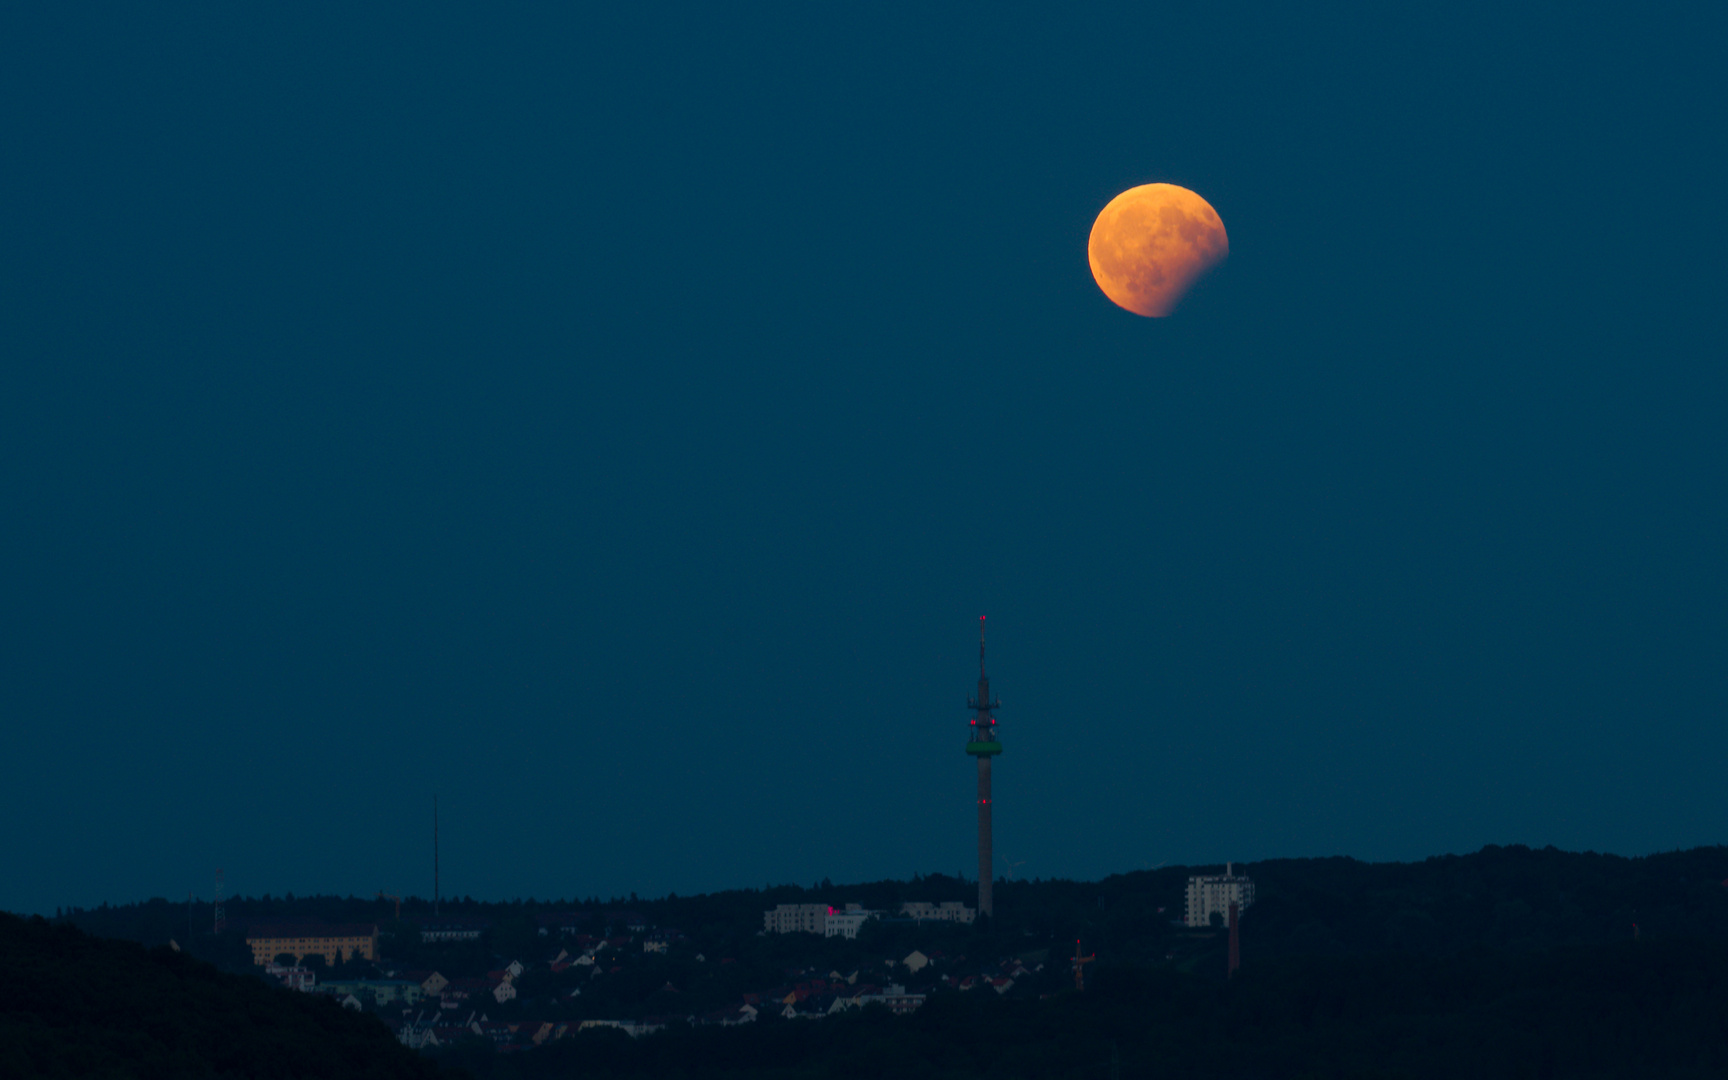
(76, 1006)
(1629, 1009)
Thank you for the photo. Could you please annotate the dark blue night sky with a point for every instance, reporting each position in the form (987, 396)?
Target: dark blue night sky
(615, 419)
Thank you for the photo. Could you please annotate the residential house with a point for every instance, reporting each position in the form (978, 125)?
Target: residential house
(431, 983)
(415, 1034)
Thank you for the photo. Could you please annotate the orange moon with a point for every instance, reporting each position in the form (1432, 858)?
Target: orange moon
(1151, 243)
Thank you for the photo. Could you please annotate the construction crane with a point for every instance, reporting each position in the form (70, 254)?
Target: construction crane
(382, 895)
(1080, 963)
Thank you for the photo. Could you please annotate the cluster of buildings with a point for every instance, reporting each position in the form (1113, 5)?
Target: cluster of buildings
(812, 996)
(829, 921)
(428, 1009)
(405, 989)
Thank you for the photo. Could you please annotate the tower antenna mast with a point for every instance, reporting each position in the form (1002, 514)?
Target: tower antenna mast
(983, 745)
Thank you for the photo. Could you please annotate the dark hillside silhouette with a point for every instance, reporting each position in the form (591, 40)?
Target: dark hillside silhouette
(76, 1006)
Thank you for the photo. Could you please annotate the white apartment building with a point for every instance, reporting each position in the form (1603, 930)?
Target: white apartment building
(846, 923)
(832, 922)
(797, 919)
(817, 919)
(1209, 894)
(953, 911)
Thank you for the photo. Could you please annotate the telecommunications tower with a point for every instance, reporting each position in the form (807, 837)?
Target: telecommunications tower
(983, 745)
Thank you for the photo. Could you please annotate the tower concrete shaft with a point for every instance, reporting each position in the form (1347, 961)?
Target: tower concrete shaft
(986, 878)
(984, 744)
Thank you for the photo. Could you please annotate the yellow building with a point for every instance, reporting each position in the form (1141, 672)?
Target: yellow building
(335, 943)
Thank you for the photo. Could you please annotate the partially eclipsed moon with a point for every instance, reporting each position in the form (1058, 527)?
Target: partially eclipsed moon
(1151, 243)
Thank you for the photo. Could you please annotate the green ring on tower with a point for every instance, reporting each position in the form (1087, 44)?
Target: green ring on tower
(983, 749)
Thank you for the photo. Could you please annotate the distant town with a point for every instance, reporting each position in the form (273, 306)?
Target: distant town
(423, 1006)
(1303, 959)
(426, 1008)
(517, 978)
